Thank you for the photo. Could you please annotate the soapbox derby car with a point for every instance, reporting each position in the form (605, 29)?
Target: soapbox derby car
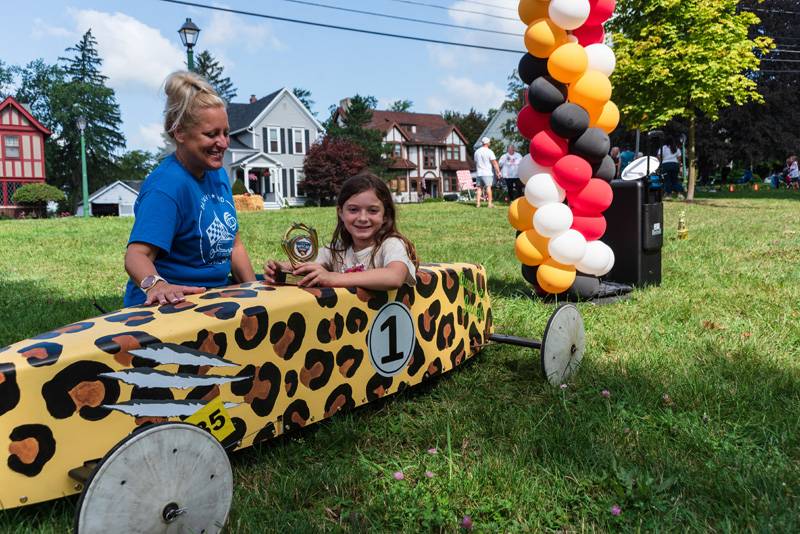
(137, 409)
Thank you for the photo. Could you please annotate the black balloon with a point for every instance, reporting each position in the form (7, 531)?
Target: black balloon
(593, 145)
(531, 67)
(569, 120)
(606, 169)
(545, 94)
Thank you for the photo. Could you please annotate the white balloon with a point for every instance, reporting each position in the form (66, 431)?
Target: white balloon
(542, 189)
(528, 167)
(552, 220)
(567, 248)
(595, 259)
(601, 58)
(610, 262)
(569, 14)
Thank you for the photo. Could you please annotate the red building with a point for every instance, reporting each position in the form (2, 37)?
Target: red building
(21, 150)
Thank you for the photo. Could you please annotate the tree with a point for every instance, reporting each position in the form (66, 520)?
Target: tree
(401, 105)
(354, 128)
(210, 69)
(134, 165)
(6, 79)
(304, 96)
(683, 59)
(36, 197)
(471, 124)
(328, 164)
(515, 100)
(76, 88)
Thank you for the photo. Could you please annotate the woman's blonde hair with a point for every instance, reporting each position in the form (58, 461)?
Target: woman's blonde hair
(187, 93)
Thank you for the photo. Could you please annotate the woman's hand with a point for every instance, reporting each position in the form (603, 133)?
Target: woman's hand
(163, 293)
(316, 275)
(272, 268)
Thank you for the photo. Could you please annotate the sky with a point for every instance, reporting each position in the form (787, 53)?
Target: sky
(140, 46)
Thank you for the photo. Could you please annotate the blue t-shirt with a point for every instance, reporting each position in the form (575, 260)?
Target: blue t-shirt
(193, 223)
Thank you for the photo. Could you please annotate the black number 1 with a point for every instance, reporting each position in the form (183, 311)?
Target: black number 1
(394, 355)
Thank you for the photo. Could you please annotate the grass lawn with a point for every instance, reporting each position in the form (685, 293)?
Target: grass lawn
(701, 430)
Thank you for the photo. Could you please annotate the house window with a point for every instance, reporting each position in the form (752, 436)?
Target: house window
(11, 143)
(452, 152)
(445, 185)
(299, 136)
(274, 140)
(414, 185)
(429, 157)
(299, 177)
(397, 150)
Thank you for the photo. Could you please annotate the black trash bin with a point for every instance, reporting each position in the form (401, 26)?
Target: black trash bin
(635, 233)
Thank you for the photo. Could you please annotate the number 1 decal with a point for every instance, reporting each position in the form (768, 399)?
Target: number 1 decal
(391, 339)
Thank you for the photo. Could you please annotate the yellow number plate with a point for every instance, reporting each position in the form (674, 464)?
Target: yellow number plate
(214, 418)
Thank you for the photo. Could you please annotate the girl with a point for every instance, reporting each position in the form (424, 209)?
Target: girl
(670, 155)
(366, 249)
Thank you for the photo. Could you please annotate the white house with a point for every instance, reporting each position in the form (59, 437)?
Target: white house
(116, 198)
(494, 129)
(270, 137)
(426, 152)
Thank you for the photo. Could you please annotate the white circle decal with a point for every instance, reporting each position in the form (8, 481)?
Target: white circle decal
(391, 339)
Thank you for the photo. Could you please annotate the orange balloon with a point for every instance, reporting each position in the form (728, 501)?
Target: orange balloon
(543, 36)
(531, 248)
(520, 214)
(530, 10)
(555, 277)
(568, 62)
(590, 91)
(608, 118)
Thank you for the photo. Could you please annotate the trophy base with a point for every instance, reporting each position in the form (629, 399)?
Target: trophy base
(287, 279)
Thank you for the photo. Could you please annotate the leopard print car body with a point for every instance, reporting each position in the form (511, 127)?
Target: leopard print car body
(279, 358)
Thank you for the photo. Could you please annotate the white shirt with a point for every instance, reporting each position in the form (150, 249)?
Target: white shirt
(668, 156)
(509, 165)
(392, 249)
(483, 161)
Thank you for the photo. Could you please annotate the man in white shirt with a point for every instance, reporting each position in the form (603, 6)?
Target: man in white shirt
(485, 164)
(509, 170)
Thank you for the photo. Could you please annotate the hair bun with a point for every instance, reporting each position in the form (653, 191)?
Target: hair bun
(187, 92)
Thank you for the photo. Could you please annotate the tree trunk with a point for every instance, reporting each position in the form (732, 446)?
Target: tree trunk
(692, 158)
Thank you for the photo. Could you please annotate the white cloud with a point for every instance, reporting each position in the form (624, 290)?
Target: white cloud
(227, 28)
(42, 29)
(465, 93)
(132, 52)
(148, 136)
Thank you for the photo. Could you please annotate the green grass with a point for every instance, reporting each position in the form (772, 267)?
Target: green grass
(700, 432)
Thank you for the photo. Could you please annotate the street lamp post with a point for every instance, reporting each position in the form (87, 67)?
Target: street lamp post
(189, 33)
(80, 122)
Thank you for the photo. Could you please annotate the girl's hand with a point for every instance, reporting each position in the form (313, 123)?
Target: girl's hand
(163, 293)
(272, 268)
(315, 275)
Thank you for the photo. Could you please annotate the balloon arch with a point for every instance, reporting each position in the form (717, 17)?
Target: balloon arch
(567, 118)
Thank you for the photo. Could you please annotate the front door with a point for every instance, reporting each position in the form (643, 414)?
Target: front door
(432, 187)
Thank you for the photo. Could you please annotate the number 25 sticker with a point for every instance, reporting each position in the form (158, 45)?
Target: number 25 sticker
(214, 418)
(391, 339)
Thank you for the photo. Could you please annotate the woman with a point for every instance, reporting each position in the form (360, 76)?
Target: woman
(186, 234)
(670, 154)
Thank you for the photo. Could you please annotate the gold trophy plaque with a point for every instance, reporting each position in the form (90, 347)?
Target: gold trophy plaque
(301, 246)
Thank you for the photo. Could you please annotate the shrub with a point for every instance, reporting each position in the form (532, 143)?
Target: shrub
(238, 187)
(37, 195)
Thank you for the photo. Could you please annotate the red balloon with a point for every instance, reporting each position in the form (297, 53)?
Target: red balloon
(592, 227)
(547, 148)
(572, 173)
(601, 11)
(588, 35)
(530, 122)
(595, 198)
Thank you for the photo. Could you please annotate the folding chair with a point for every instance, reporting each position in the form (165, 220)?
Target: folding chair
(465, 185)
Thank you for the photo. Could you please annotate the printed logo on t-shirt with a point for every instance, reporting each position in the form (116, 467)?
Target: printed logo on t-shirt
(216, 236)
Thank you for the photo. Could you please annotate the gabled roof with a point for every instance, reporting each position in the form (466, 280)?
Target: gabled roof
(133, 185)
(494, 129)
(431, 128)
(10, 101)
(242, 116)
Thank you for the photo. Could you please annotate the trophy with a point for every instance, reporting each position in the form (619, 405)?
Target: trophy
(301, 246)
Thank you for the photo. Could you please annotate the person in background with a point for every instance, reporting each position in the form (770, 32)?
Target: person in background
(186, 234)
(615, 156)
(509, 170)
(670, 154)
(794, 172)
(626, 157)
(486, 165)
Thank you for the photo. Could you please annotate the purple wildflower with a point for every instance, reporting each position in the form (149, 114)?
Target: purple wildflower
(616, 510)
(433, 450)
(429, 474)
(466, 523)
(398, 475)
(605, 394)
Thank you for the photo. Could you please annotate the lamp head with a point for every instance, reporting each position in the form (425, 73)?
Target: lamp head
(189, 33)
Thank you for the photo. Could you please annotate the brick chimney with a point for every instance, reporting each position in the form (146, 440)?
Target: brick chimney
(253, 99)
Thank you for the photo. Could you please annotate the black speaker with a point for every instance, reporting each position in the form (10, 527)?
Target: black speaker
(635, 233)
